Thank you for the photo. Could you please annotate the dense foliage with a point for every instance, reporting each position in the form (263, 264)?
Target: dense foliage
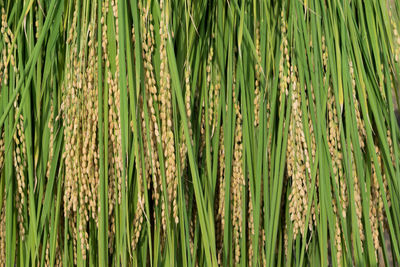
(199, 133)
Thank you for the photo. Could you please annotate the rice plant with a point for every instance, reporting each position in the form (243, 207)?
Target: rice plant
(199, 133)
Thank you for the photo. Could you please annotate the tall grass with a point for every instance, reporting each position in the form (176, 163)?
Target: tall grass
(199, 133)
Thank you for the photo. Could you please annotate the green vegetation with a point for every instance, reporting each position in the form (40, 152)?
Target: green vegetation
(199, 133)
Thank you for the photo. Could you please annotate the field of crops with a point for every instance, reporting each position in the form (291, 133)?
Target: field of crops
(199, 133)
